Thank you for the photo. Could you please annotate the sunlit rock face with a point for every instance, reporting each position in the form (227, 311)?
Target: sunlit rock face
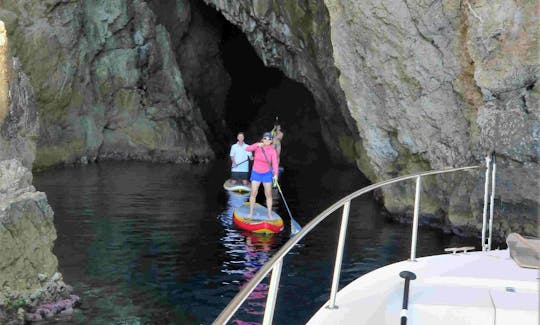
(422, 85)
(27, 231)
(107, 83)
(18, 117)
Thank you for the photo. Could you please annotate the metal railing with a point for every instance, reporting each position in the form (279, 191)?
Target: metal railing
(276, 262)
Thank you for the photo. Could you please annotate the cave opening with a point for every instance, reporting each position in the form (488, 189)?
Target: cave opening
(258, 95)
(234, 90)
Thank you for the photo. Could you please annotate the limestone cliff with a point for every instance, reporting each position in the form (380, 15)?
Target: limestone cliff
(435, 84)
(399, 87)
(107, 83)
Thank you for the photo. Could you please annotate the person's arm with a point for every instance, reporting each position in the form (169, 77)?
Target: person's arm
(253, 147)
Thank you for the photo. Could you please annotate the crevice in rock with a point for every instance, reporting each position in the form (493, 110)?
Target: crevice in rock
(523, 104)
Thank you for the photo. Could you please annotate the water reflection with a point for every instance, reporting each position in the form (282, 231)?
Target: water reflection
(247, 254)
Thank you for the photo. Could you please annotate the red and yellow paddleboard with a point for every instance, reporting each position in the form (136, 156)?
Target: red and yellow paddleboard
(259, 222)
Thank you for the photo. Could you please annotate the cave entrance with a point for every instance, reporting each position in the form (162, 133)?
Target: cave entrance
(259, 94)
(234, 90)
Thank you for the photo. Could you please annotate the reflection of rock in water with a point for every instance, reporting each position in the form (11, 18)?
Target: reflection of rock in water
(27, 237)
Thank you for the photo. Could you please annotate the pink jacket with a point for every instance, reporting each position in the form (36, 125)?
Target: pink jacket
(260, 163)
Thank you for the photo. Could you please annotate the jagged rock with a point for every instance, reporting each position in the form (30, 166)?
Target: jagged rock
(27, 231)
(27, 237)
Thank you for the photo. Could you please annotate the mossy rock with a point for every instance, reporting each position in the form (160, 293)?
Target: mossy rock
(47, 156)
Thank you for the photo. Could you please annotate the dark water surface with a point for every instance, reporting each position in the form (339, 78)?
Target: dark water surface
(149, 243)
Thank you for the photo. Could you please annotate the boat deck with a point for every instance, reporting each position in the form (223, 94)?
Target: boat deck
(464, 288)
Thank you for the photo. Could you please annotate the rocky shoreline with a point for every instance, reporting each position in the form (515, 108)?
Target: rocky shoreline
(51, 301)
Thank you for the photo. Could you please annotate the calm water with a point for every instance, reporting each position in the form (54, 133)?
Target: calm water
(154, 243)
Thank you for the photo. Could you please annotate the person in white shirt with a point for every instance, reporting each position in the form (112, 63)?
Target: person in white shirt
(240, 160)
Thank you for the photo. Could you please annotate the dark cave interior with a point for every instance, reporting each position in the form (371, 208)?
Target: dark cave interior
(258, 95)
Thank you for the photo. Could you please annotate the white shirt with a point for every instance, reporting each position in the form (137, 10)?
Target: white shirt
(240, 156)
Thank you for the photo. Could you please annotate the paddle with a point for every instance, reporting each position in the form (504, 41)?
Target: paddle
(295, 227)
(242, 162)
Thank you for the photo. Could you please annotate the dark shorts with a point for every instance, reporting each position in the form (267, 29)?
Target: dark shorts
(240, 176)
(261, 177)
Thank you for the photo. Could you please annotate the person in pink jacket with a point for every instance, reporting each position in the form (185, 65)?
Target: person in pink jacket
(264, 170)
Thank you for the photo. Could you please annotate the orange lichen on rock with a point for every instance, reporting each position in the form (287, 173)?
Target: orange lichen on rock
(4, 101)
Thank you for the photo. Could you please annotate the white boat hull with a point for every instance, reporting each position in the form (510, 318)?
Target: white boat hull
(465, 288)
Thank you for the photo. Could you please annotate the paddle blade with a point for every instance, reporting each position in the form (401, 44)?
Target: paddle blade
(295, 227)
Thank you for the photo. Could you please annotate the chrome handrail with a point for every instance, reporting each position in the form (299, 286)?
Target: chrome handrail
(275, 263)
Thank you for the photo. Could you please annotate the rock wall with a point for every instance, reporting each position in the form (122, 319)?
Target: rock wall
(27, 231)
(436, 84)
(417, 85)
(196, 33)
(107, 83)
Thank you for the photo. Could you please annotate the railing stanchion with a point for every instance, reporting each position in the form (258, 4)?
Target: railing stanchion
(486, 191)
(492, 201)
(272, 293)
(415, 217)
(339, 254)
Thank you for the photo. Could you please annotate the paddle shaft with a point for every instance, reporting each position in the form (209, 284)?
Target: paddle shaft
(295, 227)
(242, 162)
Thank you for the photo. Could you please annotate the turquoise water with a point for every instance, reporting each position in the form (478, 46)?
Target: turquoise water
(149, 243)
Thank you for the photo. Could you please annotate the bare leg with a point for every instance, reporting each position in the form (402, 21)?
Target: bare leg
(268, 194)
(253, 196)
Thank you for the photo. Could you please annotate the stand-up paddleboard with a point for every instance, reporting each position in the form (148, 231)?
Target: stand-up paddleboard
(259, 222)
(238, 187)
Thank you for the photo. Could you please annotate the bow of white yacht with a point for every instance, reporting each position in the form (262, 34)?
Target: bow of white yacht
(463, 288)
